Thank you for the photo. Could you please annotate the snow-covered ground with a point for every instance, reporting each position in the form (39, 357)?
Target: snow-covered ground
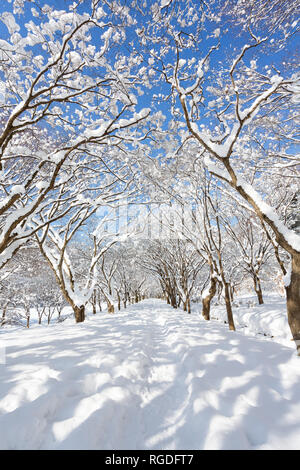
(269, 319)
(149, 377)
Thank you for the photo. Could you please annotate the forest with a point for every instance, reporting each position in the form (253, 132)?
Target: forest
(107, 108)
(148, 153)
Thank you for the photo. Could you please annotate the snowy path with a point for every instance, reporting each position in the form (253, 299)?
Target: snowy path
(147, 378)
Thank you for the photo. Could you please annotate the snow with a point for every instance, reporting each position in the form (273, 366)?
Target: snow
(287, 277)
(9, 20)
(221, 150)
(149, 377)
(164, 3)
(213, 168)
(276, 80)
(17, 189)
(121, 123)
(205, 293)
(268, 319)
(57, 157)
(290, 236)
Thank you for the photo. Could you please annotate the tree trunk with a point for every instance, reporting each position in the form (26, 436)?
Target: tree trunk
(94, 303)
(110, 307)
(27, 314)
(79, 313)
(260, 296)
(220, 290)
(231, 293)
(4, 314)
(257, 288)
(99, 303)
(228, 307)
(173, 301)
(208, 298)
(293, 301)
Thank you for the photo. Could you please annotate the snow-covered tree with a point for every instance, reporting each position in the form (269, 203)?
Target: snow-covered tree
(253, 246)
(226, 76)
(62, 97)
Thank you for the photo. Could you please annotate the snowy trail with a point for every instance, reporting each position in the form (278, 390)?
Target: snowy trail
(147, 378)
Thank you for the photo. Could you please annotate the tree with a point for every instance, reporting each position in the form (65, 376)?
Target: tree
(253, 245)
(54, 243)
